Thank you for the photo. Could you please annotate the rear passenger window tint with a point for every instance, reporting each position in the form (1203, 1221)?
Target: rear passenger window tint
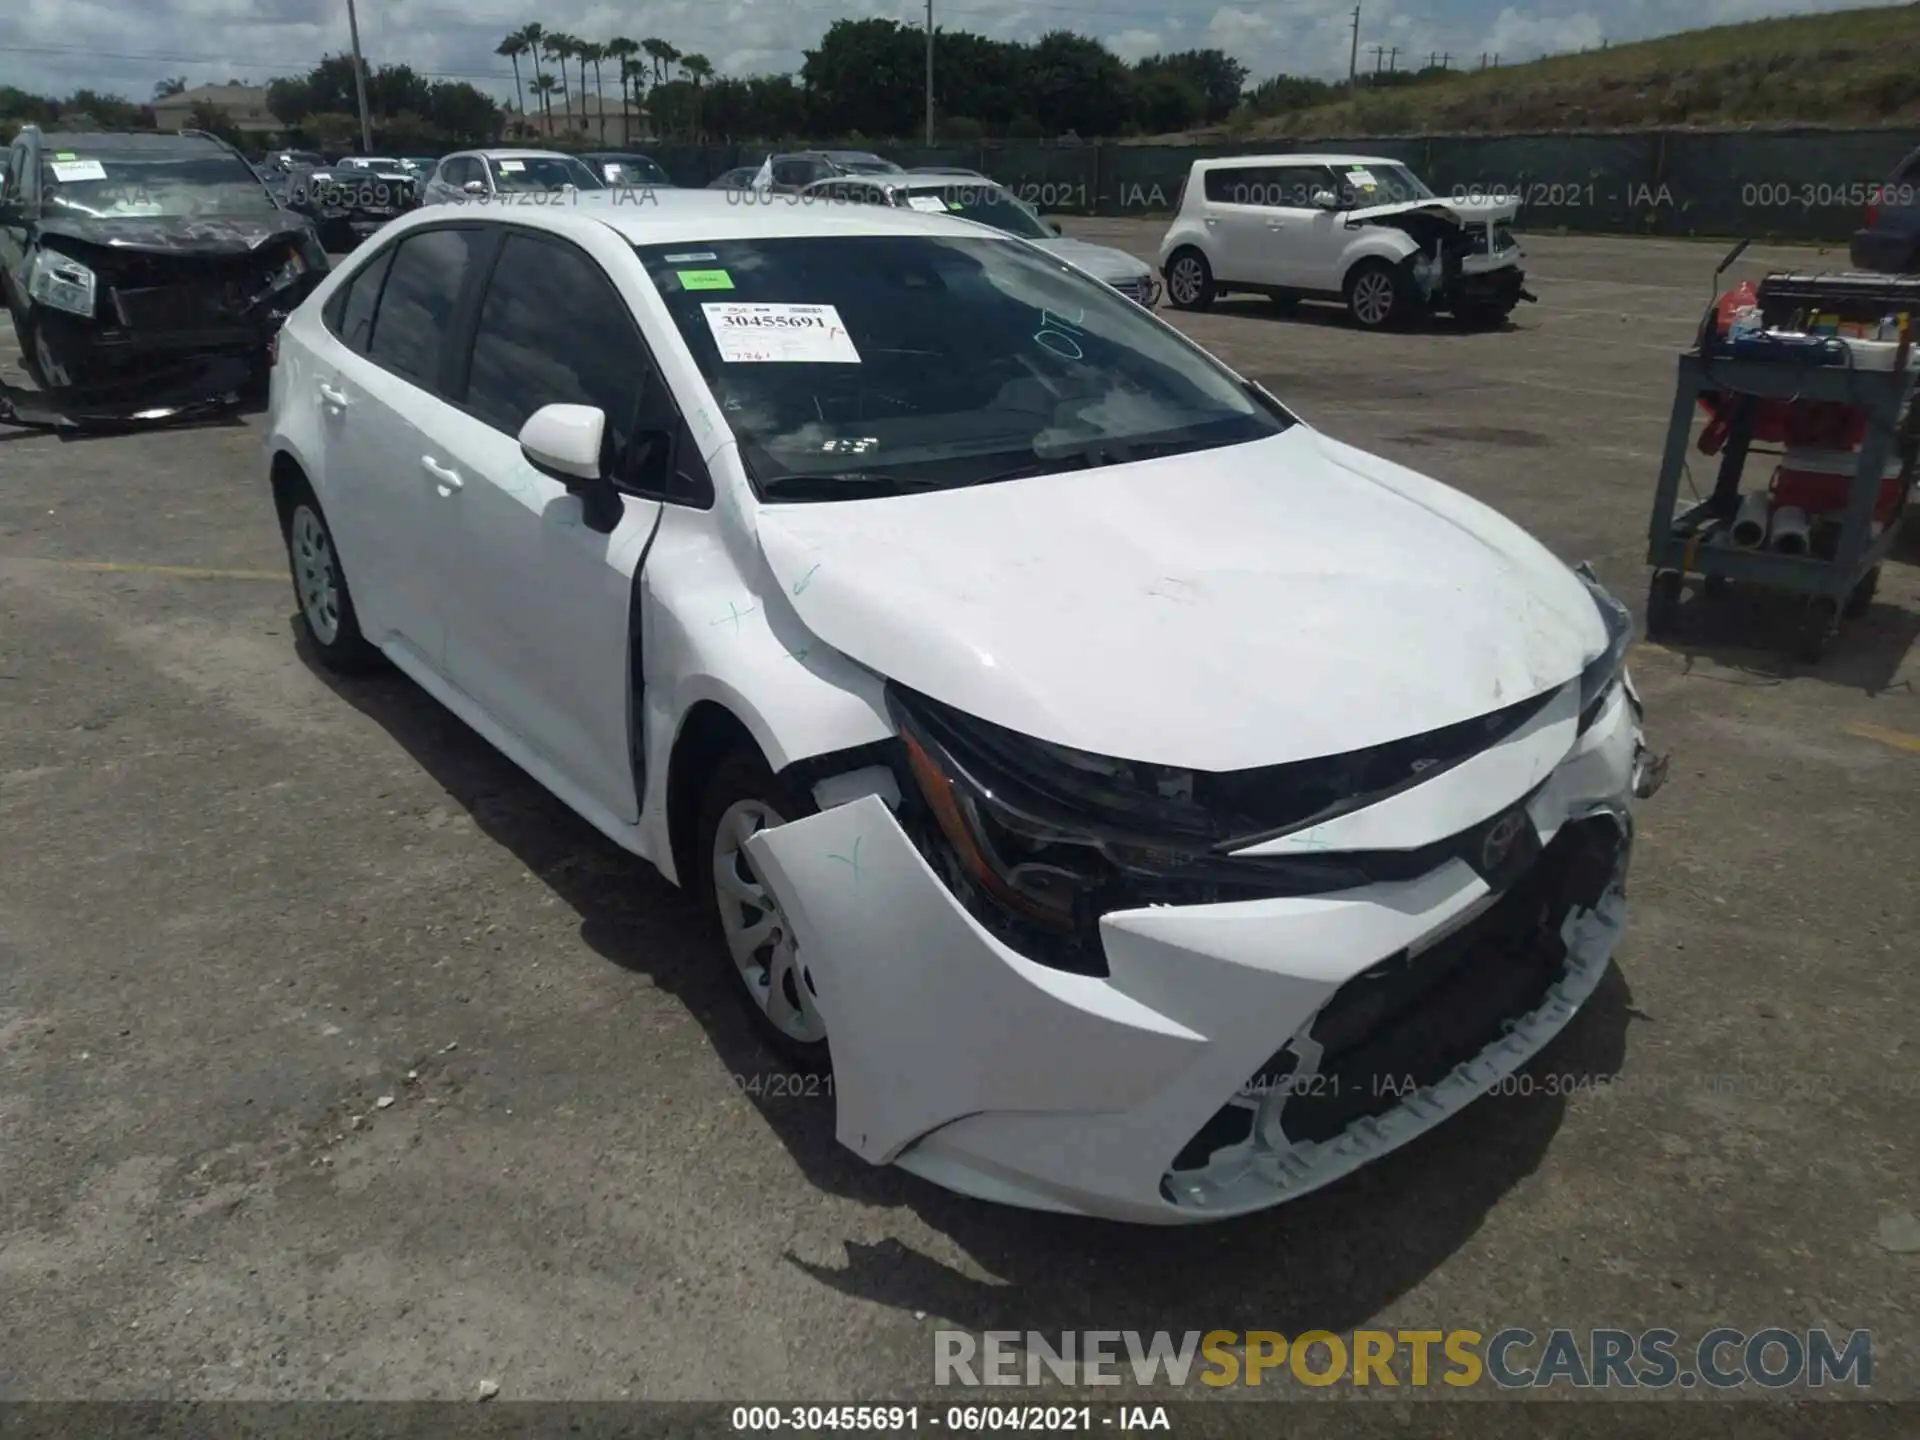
(417, 303)
(351, 317)
(1247, 185)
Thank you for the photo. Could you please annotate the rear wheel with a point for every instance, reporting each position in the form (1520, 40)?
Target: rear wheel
(1190, 280)
(761, 952)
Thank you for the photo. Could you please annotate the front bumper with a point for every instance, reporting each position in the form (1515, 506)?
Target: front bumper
(968, 1064)
(1143, 289)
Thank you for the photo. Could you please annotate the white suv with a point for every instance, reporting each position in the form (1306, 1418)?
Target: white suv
(1358, 228)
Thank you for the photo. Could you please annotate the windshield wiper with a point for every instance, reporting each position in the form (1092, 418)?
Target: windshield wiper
(841, 484)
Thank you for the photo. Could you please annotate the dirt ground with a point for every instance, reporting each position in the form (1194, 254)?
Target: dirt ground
(337, 1059)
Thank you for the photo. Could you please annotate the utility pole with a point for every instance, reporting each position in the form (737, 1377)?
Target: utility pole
(929, 74)
(360, 80)
(1393, 58)
(1379, 57)
(1353, 56)
(1446, 61)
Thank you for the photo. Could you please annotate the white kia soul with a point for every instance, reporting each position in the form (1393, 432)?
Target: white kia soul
(1360, 229)
(1148, 806)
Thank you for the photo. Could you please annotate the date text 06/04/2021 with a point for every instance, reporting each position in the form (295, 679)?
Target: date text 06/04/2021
(910, 1419)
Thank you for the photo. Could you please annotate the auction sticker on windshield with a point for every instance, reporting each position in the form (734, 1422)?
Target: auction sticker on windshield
(932, 204)
(510, 166)
(789, 334)
(66, 170)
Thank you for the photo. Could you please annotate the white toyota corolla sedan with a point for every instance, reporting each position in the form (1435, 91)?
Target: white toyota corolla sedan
(1155, 808)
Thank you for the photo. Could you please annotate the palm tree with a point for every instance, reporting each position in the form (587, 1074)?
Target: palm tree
(634, 72)
(623, 50)
(543, 86)
(596, 53)
(535, 37)
(175, 86)
(662, 54)
(563, 47)
(698, 70)
(513, 47)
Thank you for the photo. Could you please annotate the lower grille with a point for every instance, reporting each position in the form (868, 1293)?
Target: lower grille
(171, 307)
(1143, 290)
(1407, 1022)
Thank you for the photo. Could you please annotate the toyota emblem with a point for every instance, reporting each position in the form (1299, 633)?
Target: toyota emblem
(1499, 840)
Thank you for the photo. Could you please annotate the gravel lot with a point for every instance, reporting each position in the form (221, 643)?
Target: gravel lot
(244, 903)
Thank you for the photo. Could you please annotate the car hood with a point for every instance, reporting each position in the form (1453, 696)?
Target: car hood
(202, 235)
(1277, 601)
(1471, 212)
(1103, 262)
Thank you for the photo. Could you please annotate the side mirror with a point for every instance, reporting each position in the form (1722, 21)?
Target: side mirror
(1326, 200)
(565, 441)
(475, 187)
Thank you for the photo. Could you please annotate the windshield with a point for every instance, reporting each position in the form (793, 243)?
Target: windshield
(987, 204)
(123, 185)
(1366, 185)
(632, 170)
(866, 165)
(875, 363)
(542, 172)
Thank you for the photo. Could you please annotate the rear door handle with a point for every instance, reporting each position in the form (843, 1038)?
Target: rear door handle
(333, 399)
(445, 476)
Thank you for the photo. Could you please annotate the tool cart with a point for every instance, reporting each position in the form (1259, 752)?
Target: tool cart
(1825, 360)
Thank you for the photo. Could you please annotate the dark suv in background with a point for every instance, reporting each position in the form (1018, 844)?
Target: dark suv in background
(794, 172)
(129, 253)
(1890, 240)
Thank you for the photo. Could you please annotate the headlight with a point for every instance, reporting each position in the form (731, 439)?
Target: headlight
(62, 282)
(1605, 670)
(1054, 837)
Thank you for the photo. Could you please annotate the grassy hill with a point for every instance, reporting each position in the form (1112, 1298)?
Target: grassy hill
(1849, 67)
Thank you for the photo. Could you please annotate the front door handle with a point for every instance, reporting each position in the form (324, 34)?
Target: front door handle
(333, 399)
(444, 476)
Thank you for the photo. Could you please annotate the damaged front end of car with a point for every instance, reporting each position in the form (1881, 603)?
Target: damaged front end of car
(1068, 982)
(1462, 264)
(128, 326)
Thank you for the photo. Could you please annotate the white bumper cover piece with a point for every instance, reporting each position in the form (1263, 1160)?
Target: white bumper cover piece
(974, 1067)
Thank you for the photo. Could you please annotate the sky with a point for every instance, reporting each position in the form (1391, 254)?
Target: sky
(56, 46)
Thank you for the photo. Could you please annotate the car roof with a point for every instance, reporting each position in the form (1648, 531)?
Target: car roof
(511, 154)
(125, 142)
(615, 155)
(1296, 159)
(683, 216)
(910, 180)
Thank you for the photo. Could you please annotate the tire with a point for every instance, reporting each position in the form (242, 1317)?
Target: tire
(1189, 280)
(1663, 604)
(46, 358)
(320, 589)
(1860, 598)
(770, 979)
(1377, 295)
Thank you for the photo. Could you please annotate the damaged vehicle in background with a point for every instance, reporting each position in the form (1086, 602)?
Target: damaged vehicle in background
(350, 200)
(130, 254)
(1146, 805)
(1359, 229)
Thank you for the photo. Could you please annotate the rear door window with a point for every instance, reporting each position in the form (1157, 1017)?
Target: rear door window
(417, 303)
(349, 315)
(1260, 185)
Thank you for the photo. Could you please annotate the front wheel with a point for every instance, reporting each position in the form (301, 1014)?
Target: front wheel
(1190, 280)
(326, 605)
(762, 953)
(50, 355)
(1376, 295)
